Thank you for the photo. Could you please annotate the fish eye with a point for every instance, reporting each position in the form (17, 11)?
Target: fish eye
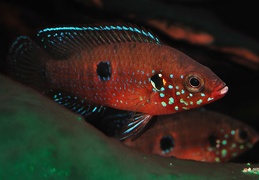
(157, 81)
(166, 143)
(241, 135)
(194, 82)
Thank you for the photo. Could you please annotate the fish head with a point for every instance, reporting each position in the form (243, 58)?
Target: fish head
(187, 84)
(200, 86)
(230, 140)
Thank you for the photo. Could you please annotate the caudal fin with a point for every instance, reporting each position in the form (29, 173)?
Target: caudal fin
(25, 63)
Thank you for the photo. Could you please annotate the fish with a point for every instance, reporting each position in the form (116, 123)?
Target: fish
(88, 68)
(198, 134)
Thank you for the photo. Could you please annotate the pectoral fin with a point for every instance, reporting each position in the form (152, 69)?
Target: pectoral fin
(125, 124)
(136, 127)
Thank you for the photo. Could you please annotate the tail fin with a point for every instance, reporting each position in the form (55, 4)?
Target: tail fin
(25, 63)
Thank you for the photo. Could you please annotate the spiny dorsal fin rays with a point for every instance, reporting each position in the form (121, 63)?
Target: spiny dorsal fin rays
(62, 42)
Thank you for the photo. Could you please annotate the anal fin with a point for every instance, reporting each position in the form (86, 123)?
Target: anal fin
(125, 124)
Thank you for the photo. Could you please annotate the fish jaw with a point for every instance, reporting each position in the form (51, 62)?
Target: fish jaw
(255, 138)
(220, 91)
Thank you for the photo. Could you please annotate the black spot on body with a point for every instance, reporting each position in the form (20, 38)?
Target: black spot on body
(167, 143)
(213, 140)
(104, 70)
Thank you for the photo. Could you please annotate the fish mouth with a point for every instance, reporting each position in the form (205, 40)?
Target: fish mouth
(255, 140)
(220, 90)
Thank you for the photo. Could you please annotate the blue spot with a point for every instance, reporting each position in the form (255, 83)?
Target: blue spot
(171, 100)
(163, 103)
(94, 109)
(199, 102)
(162, 95)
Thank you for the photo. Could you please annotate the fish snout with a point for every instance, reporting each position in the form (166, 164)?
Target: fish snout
(255, 138)
(220, 90)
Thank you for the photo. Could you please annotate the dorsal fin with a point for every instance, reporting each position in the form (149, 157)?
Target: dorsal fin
(62, 42)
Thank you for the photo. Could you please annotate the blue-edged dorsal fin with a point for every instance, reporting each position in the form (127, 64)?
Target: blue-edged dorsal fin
(62, 42)
(77, 105)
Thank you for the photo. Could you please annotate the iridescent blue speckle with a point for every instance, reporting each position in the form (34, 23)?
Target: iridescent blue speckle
(100, 28)
(170, 86)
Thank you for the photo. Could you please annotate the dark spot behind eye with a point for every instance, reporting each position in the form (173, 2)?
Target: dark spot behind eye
(166, 143)
(104, 70)
(157, 81)
(212, 140)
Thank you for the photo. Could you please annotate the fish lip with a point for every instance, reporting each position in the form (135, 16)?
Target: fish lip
(255, 140)
(220, 90)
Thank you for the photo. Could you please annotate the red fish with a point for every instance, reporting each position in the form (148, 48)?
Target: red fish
(88, 68)
(196, 135)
